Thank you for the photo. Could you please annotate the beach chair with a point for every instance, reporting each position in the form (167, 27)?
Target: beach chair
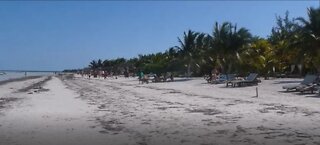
(220, 79)
(311, 87)
(304, 85)
(252, 79)
(308, 88)
(229, 78)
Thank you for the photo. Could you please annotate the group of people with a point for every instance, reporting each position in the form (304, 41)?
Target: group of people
(142, 77)
(163, 77)
(96, 74)
(156, 78)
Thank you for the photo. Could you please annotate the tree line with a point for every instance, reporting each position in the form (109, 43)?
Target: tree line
(292, 47)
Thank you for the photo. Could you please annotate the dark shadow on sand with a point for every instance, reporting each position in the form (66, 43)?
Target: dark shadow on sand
(243, 86)
(285, 91)
(304, 93)
(286, 82)
(181, 79)
(18, 79)
(35, 85)
(297, 92)
(314, 96)
(205, 83)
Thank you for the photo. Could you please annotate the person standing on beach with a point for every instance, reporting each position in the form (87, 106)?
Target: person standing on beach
(82, 73)
(171, 76)
(214, 74)
(126, 74)
(141, 76)
(105, 74)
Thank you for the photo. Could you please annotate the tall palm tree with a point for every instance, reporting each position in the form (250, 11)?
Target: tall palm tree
(187, 48)
(205, 55)
(99, 64)
(284, 38)
(227, 43)
(93, 64)
(174, 63)
(310, 37)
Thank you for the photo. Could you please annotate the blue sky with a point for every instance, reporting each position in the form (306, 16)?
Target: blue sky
(61, 35)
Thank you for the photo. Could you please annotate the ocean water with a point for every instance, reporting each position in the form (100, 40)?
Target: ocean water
(12, 75)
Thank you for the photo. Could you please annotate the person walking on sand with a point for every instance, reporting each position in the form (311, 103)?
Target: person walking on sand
(105, 73)
(141, 76)
(126, 74)
(171, 77)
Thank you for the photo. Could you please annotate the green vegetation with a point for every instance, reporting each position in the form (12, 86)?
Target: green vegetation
(292, 42)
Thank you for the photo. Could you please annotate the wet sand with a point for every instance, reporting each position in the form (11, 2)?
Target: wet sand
(188, 112)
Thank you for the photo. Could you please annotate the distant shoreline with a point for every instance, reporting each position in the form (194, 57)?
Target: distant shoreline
(21, 74)
(28, 71)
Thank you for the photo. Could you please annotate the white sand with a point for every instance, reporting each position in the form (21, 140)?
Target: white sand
(53, 117)
(191, 112)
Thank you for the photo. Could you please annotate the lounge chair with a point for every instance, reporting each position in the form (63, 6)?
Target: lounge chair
(224, 78)
(252, 79)
(157, 79)
(231, 77)
(311, 87)
(220, 79)
(318, 88)
(307, 81)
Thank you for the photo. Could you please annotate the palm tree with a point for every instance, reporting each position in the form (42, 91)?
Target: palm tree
(99, 63)
(310, 37)
(205, 56)
(93, 64)
(227, 43)
(187, 48)
(174, 63)
(259, 57)
(283, 38)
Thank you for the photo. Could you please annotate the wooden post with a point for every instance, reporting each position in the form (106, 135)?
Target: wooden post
(257, 93)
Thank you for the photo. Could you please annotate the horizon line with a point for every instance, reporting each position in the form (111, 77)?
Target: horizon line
(30, 70)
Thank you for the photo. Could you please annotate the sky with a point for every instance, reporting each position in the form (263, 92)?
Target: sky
(43, 35)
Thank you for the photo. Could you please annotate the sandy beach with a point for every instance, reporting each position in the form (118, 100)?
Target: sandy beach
(160, 73)
(55, 110)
